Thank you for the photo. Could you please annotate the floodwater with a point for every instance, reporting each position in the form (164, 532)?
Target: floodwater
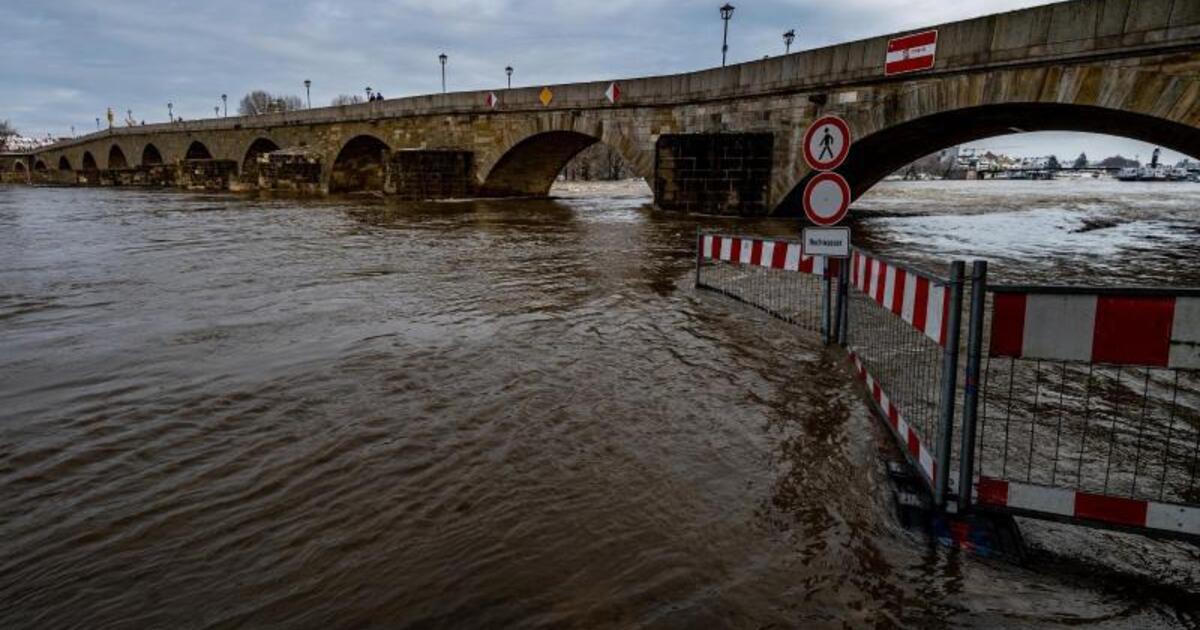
(221, 411)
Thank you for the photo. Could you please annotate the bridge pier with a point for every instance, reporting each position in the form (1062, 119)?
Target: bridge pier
(725, 173)
(431, 174)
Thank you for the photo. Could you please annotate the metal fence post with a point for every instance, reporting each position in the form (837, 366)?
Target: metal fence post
(827, 308)
(699, 253)
(949, 384)
(966, 458)
(843, 301)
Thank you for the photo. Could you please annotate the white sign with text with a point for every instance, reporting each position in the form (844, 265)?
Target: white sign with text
(833, 242)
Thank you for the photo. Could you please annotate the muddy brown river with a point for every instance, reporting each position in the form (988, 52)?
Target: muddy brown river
(220, 411)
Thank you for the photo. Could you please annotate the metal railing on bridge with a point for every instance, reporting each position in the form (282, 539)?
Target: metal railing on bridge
(1077, 404)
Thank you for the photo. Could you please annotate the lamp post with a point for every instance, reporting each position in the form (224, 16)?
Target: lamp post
(368, 94)
(73, 132)
(442, 58)
(171, 112)
(308, 92)
(97, 123)
(216, 111)
(225, 104)
(726, 14)
(788, 38)
(508, 71)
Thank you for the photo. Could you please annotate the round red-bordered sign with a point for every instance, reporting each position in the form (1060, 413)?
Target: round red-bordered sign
(826, 199)
(827, 143)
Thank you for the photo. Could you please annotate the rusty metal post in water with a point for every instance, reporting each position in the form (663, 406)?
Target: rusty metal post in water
(949, 381)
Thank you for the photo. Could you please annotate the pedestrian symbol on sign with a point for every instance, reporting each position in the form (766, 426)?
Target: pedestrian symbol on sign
(826, 145)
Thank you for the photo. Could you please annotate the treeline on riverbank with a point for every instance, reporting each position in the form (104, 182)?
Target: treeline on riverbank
(597, 163)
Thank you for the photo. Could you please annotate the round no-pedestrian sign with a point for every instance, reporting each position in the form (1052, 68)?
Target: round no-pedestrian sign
(826, 143)
(826, 199)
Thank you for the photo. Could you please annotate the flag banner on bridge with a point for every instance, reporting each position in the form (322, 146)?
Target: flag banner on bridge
(783, 255)
(1072, 504)
(910, 440)
(911, 53)
(1101, 328)
(918, 300)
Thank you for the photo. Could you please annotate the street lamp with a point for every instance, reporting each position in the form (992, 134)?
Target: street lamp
(508, 71)
(726, 13)
(216, 111)
(442, 58)
(171, 112)
(97, 123)
(788, 38)
(225, 104)
(308, 92)
(368, 94)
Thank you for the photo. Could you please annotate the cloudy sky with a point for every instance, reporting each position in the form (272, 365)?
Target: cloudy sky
(66, 61)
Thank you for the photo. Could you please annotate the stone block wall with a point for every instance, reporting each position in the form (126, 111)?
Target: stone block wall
(213, 175)
(424, 174)
(722, 173)
(291, 171)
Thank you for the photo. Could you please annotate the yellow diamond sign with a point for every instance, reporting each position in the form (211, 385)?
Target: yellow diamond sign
(546, 96)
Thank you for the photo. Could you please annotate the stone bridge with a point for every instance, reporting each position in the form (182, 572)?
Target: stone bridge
(725, 140)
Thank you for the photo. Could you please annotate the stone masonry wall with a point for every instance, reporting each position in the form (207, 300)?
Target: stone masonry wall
(727, 173)
(290, 171)
(213, 175)
(432, 174)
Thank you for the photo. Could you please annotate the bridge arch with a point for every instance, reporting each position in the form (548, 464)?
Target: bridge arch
(257, 148)
(64, 164)
(197, 151)
(361, 164)
(530, 166)
(151, 156)
(89, 162)
(889, 149)
(116, 158)
(19, 167)
(40, 167)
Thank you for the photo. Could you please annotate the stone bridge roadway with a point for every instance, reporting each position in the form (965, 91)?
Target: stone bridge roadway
(725, 140)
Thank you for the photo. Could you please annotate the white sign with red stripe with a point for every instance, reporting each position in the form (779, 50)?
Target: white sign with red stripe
(613, 93)
(911, 53)
(1116, 329)
(761, 253)
(909, 439)
(491, 100)
(1166, 517)
(921, 302)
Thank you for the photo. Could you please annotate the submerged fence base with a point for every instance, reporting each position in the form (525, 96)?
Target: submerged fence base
(1044, 433)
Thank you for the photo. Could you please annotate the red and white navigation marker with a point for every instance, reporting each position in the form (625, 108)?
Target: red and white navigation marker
(491, 100)
(827, 143)
(613, 93)
(911, 53)
(826, 199)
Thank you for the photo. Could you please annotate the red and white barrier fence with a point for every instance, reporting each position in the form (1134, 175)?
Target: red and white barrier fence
(768, 254)
(923, 303)
(1072, 504)
(1100, 328)
(905, 433)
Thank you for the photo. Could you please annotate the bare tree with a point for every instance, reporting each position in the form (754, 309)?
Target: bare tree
(263, 102)
(7, 131)
(347, 99)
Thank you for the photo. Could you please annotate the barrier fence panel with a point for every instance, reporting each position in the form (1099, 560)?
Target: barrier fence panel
(1089, 406)
(901, 330)
(772, 275)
